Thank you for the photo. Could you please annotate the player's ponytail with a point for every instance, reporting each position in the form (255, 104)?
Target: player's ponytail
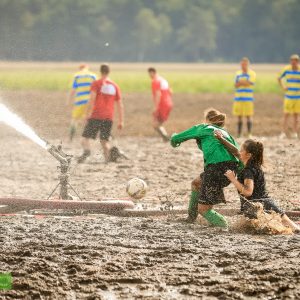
(256, 149)
(215, 117)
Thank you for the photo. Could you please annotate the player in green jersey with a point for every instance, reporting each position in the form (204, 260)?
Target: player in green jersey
(207, 190)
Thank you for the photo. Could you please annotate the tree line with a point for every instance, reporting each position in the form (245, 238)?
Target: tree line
(149, 30)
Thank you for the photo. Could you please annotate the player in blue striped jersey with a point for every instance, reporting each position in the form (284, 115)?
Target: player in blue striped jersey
(243, 100)
(80, 95)
(289, 80)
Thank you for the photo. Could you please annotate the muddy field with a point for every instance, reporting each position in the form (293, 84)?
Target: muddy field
(106, 257)
(48, 113)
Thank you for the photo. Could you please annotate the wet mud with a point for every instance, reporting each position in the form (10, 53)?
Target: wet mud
(108, 257)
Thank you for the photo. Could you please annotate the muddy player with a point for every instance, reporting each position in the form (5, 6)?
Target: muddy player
(289, 80)
(207, 190)
(162, 102)
(79, 96)
(104, 95)
(243, 106)
(250, 182)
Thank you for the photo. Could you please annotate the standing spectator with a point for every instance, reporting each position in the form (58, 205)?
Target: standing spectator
(289, 80)
(243, 102)
(79, 96)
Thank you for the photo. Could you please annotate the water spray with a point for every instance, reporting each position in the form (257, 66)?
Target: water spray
(14, 121)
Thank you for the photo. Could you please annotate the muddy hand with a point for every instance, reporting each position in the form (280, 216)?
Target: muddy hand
(120, 125)
(218, 134)
(230, 175)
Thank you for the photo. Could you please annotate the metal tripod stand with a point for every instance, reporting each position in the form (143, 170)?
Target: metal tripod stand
(64, 167)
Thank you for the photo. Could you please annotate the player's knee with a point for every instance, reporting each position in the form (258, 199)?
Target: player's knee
(196, 183)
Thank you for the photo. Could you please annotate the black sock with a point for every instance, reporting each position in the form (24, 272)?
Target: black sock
(240, 127)
(249, 126)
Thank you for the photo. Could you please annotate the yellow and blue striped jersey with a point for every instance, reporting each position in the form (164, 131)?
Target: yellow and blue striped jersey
(245, 93)
(82, 83)
(292, 79)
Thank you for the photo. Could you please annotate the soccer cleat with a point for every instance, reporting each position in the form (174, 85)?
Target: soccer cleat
(84, 156)
(190, 220)
(282, 135)
(166, 138)
(294, 135)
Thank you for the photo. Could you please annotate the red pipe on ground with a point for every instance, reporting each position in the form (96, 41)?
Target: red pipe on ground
(19, 204)
(114, 207)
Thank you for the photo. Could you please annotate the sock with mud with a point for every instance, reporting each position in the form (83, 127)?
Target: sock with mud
(215, 219)
(163, 133)
(240, 127)
(249, 126)
(193, 206)
(72, 132)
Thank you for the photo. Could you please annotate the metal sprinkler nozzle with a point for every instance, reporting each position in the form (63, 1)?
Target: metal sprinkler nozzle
(58, 154)
(65, 163)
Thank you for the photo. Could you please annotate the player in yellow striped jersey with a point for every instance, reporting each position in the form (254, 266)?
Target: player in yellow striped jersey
(80, 95)
(243, 101)
(289, 80)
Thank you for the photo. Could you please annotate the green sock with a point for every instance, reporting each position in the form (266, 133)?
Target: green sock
(215, 218)
(193, 205)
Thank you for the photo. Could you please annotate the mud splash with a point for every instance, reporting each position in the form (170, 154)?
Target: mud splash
(264, 223)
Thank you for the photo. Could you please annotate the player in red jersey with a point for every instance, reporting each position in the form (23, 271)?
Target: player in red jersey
(162, 102)
(104, 94)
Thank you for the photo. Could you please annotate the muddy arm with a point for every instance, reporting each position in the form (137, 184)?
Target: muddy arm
(230, 147)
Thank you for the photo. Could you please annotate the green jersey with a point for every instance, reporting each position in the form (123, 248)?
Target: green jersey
(213, 150)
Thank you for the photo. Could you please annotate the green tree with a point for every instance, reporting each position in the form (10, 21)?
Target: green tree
(198, 35)
(150, 31)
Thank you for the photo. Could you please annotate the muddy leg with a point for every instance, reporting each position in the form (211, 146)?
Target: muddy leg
(288, 222)
(193, 203)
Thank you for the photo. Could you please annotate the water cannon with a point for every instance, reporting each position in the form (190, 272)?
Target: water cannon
(64, 167)
(57, 152)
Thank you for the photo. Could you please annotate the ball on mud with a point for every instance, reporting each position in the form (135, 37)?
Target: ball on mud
(136, 188)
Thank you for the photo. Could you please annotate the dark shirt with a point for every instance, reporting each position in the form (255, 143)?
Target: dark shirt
(255, 173)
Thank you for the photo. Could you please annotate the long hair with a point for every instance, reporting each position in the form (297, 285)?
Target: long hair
(215, 117)
(256, 149)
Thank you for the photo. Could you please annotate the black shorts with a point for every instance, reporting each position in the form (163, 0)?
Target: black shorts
(268, 204)
(213, 181)
(94, 126)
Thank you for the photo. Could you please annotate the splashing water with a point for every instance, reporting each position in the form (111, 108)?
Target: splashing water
(14, 121)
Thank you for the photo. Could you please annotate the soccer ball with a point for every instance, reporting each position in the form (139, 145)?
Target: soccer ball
(136, 188)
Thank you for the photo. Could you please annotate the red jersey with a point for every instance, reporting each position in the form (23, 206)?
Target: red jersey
(107, 92)
(159, 84)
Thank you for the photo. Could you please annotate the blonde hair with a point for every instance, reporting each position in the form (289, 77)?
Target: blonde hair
(215, 117)
(246, 59)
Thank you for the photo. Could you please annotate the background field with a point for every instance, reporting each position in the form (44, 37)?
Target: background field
(38, 92)
(132, 78)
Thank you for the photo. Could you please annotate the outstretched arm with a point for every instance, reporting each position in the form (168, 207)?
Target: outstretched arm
(183, 136)
(230, 147)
